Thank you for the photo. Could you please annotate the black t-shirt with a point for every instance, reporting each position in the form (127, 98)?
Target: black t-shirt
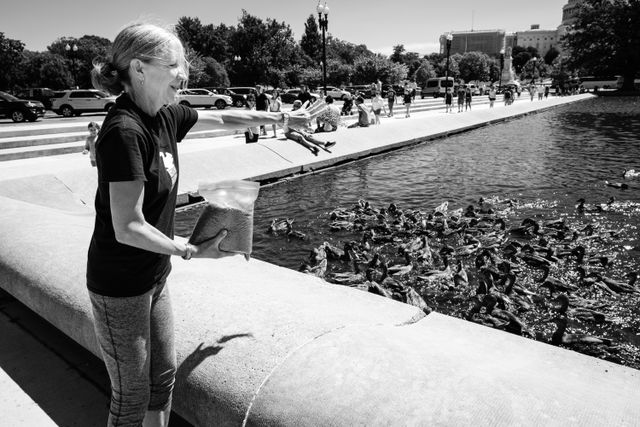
(262, 102)
(304, 97)
(134, 146)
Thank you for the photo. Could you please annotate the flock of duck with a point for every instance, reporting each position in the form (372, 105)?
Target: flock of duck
(541, 278)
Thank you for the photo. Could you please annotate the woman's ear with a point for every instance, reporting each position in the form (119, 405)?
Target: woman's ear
(136, 69)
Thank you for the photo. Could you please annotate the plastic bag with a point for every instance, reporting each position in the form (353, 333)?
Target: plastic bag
(229, 206)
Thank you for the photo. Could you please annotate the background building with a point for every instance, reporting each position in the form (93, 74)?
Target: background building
(542, 40)
(487, 41)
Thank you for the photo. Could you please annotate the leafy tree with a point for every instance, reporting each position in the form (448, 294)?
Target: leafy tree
(605, 39)
(311, 42)
(207, 40)
(424, 73)
(474, 66)
(398, 53)
(10, 57)
(338, 73)
(344, 51)
(80, 62)
(368, 69)
(551, 54)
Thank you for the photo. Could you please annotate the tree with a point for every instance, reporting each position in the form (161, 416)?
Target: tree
(344, 51)
(311, 42)
(207, 40)
(423, 73)
(368, 69)
(551, 54)
(398, 53)
(10, 57)
(474, 66)
(80, 62)
(605, 39)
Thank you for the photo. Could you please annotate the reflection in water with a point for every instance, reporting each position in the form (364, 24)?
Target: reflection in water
(546, 161)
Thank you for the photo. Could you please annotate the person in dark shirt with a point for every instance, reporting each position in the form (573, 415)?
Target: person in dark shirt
(304, 96)
(262, 104)
(133, 239)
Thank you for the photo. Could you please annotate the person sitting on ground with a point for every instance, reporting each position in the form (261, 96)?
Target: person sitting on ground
(329, 119)
(306, 139)
(252, 133)
(363, 114)
(347, 104)
(377, 105)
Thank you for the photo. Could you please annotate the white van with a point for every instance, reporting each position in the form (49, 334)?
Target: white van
(436, 87)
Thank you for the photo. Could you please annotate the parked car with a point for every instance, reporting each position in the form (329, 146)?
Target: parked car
(336, 93)
(203, 98)
(237, 100)
(290, 95)
(42, 94)
(20, 110)
(364, 90)
(246, 90)
(78, 101)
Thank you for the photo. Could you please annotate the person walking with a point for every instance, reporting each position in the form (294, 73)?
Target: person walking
(275, 106)
(262, 104)
(129, 256)
(391, 100)
(377, 105)
(492, 96)
(448, 100)
(546, 91)
(406, 98)
(467, 98)
(461, 95)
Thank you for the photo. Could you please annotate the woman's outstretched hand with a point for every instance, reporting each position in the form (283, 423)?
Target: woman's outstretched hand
(211, 248)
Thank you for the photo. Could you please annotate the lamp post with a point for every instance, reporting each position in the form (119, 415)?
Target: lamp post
(446, 72)
(323, 19)
(71, 51)
(501, 68)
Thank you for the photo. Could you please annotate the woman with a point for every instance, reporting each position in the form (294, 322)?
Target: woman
(275, 106)
(407, 98)
(132, 243)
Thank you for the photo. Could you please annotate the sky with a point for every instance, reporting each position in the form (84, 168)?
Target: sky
(379, 24)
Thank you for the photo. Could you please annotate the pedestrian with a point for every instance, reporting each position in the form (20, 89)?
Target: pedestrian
(532, 91)
(90, 142)
(448, 100)
(391, 99)
(492, 95)
(546, 91)
(467, 98)
(129, 256)
(251, 134)
(461, 96)
(275, 106)
(262, 104)
(406, 98)
(377, 105)
(507, 96)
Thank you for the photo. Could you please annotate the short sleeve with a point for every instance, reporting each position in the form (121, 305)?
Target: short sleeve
(120, 155)
(183, 118)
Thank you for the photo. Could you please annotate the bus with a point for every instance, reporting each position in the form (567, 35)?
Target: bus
(590, 83)
(436, 87)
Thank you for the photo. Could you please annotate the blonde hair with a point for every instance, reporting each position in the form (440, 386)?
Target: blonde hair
(143, 41)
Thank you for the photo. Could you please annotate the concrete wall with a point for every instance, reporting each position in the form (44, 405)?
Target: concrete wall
(264, 345)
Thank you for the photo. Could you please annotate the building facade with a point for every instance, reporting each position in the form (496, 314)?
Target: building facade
(487, 41)
(542, 40)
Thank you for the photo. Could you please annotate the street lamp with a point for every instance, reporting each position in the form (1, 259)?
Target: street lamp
(71, 51)
(501, 68)
(446, 72)
(323, 19)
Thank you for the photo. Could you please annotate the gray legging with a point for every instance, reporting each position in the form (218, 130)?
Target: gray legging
(136, 339)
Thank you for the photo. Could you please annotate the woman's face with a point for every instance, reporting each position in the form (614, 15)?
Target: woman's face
(162, 78)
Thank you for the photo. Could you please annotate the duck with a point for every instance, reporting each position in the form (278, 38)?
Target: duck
(620, 286)
(560, 336)
(398, 270)
(618, 185)
(280, 226)
(580, 313)
(460, 277)
(582, 207)
(349, 277)
(556, 285)
(630, 174)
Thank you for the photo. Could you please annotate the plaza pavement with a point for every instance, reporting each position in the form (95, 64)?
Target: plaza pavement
(375, 360)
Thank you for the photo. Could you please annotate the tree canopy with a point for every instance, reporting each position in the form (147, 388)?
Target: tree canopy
(605, 39)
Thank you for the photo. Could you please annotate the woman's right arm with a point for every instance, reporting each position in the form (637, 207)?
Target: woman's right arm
(131, 228)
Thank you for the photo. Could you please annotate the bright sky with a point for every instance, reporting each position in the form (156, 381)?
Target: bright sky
(379, 24)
